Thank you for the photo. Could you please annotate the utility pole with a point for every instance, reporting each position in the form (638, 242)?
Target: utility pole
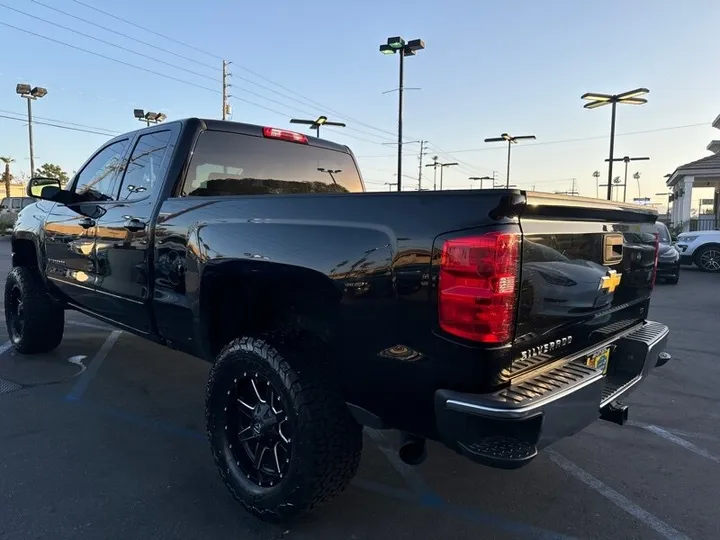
(225, 85)
(573, 191)
(422, 153)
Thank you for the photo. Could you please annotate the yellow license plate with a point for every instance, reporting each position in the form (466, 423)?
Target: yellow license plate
(599, 360)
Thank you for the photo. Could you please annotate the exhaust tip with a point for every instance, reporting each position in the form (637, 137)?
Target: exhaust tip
(413, 449)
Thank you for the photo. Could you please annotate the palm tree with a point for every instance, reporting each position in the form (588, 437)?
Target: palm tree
(636, 176)
(6, 176)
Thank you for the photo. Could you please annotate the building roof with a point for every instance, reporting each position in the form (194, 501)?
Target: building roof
(714, 146)
(707, 167)
(716, 122)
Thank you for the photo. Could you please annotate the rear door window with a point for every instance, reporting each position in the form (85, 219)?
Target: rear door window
(225, 164)
(16, 203)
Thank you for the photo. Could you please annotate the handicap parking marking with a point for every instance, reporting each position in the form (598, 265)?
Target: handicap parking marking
(87, 376)
(654, 522)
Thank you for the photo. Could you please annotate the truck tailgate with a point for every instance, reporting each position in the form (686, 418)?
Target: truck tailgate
(587, 272)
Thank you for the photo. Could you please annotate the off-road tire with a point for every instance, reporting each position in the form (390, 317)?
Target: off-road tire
(326, 439)
(43, 319)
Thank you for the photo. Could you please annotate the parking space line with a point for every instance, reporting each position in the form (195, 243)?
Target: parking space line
(84, 381)
(687, 445)
(5, 347)
(89, 325)
(655, 523)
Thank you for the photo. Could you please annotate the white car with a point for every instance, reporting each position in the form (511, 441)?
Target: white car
(701, 248)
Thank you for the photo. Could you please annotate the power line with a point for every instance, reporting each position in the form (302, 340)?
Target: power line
(145, 29)
(142, 55)
(63, 122)
(108, 43)
(107, 29)
(128, 64)
(57, 126)
(308, 100)
(561, 141)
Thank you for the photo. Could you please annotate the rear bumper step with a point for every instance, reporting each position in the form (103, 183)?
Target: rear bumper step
(506, 428)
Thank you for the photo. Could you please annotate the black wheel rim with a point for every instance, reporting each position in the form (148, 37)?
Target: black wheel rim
(16, 313)
(258, 430)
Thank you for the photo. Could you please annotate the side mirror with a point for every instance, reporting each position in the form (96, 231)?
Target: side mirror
(44, 188)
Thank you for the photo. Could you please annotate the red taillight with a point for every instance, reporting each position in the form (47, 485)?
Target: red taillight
(655, 263)
(284, 134)
(478, 286)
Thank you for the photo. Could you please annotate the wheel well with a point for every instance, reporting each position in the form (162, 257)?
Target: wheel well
(239, 299)
(23, 253)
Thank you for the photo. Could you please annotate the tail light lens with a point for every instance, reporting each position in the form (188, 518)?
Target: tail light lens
(478, 286)
(655, 264)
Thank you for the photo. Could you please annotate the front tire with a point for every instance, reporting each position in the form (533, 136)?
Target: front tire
(282, 437)
(35, 322)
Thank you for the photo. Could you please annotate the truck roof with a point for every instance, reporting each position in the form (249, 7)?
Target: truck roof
(249, 129)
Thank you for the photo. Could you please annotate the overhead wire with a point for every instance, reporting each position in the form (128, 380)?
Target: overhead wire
(69, 128)
(248, 70)
(112, 132)
(107, 29)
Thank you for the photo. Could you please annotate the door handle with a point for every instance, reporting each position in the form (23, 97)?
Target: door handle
(87, 223)
(134, 225)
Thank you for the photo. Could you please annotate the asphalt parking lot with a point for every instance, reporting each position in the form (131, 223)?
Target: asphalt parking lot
(103, 438)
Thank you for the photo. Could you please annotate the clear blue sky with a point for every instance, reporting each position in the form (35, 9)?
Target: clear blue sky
(489, 67)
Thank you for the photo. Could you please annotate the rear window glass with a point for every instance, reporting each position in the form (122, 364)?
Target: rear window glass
(663, 233)
(225, 164)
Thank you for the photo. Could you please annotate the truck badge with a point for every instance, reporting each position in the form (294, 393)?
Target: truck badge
(610, 282)
(546, 347)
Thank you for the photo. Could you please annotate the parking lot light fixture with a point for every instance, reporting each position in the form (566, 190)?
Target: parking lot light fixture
(149, 117)
(315, 124)
(392, 46)
(595, 100)
(30, 93)
(510, 141)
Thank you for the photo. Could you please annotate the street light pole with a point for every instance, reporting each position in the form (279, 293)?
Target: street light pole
(598, 100)
(596, 176)
(397, 45)
(481, 178)
(627, 160)
(30, 93)
(510, 140)
(442, 168)
(30, 138)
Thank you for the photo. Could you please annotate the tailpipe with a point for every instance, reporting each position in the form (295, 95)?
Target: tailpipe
(412, 450)
(617, 413)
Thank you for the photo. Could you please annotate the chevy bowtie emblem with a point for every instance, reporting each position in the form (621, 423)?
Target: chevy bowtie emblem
(610, 282)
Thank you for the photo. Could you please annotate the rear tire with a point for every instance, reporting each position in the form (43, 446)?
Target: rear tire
(289, 405)
(35, 322)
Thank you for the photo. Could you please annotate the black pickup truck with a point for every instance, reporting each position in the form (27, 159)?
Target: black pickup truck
(495, 321)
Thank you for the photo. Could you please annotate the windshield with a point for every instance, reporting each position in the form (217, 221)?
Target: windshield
(663, 233)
